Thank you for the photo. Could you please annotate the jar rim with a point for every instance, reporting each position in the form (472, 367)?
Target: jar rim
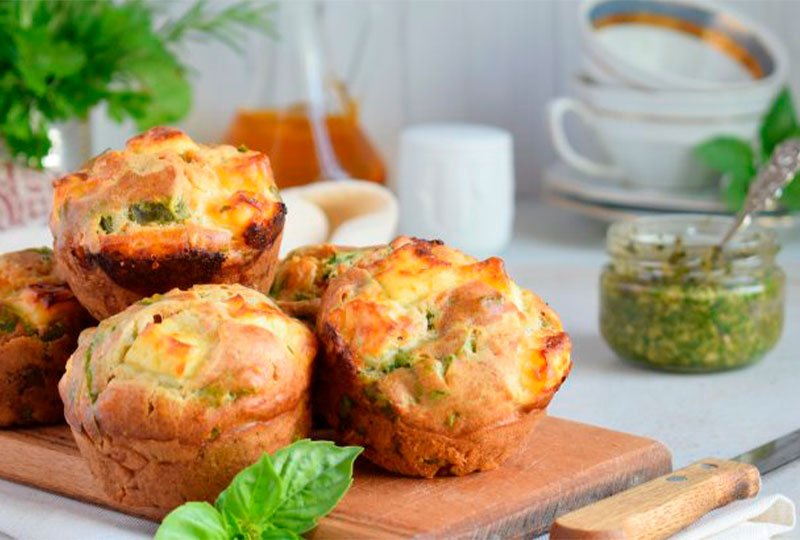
(694, 234)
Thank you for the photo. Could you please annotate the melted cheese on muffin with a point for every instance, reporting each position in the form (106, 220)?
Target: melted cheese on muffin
(174, 347)
(419, 318)
(305, 272)
(213, 197)
(195, 342)
(33, 298)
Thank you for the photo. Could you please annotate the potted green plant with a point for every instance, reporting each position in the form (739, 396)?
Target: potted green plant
(61, 58)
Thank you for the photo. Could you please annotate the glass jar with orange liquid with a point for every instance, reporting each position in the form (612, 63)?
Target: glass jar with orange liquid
(303, 117)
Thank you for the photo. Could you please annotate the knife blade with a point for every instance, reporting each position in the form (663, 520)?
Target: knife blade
(661, 507)
(768, 457)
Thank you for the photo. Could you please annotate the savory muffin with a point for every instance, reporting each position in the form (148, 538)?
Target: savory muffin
(40, 320)
(170, 398)
(303, 275)
(166, 212)
(437, 363)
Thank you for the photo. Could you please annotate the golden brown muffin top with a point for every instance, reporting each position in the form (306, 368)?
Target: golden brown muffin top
(163, 190)
(213, 353)
(442, 338)
(34, 299)
(305, 272)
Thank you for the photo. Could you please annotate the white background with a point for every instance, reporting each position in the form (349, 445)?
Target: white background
(489, 61)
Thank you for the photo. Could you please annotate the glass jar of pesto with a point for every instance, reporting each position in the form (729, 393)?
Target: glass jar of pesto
(671, 300)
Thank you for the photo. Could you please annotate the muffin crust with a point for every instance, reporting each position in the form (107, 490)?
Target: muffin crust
(166, 212)
(40, 320)
(303, 275)
(437, 363)
(169, 399)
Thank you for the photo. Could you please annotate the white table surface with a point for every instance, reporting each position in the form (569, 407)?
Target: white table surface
(559, 256)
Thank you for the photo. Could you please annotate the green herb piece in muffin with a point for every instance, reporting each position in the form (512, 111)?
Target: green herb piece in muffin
(148, 212)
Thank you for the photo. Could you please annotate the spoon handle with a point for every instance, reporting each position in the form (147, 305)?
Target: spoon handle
(769, 184)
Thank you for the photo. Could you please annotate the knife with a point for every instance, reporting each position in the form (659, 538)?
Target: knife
(661, 507)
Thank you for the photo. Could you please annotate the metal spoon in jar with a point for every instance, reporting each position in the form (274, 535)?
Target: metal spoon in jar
(768, 186)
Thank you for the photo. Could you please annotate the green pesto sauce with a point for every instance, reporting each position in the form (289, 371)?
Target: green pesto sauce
(680, 322)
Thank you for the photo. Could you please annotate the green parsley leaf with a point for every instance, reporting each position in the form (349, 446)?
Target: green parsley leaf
(779, 123)
(193, 520)
(43, 57)
(60, 58)
(163, 79)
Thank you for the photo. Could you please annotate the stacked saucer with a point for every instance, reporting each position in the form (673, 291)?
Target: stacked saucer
(659, 78)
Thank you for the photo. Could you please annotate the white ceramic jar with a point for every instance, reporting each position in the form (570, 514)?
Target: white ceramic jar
(455, 182)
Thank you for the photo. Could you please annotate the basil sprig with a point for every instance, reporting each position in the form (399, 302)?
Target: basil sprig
(739, 159)
(281, 496)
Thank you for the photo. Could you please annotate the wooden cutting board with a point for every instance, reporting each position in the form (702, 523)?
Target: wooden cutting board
(564, 466)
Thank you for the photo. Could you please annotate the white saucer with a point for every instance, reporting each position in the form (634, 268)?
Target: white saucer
(343, 212)
(611, 201)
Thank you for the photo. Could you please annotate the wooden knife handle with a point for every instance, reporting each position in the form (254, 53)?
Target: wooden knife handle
(661, 507)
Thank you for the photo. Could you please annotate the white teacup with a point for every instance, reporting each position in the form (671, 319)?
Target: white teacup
(710, 107)
(689, 45)
(647, 149)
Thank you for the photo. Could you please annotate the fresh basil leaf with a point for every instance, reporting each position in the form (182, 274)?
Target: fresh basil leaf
(727, 155)
(779, 123)
(735, 191)
(315, 475)
(791, 194)
(249, 501)
(275, 533)
(195, 521)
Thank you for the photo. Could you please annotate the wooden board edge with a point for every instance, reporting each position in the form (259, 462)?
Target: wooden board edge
(656, 461)
(76, 471)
